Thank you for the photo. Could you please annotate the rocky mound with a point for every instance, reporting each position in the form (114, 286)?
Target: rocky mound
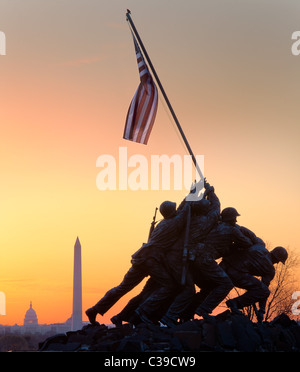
(229, 333)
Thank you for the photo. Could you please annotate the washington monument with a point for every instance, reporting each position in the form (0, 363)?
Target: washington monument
(77, 288)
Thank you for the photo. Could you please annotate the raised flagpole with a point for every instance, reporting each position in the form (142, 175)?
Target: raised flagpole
(134, 30)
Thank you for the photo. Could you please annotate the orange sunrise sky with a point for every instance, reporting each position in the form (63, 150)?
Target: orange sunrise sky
(66, 83)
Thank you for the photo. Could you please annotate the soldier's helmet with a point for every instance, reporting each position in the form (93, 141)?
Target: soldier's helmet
(280, 254)
(167, 209)
(229, 214)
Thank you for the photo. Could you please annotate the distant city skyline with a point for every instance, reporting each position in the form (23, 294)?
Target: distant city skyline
(31, 325)
(75, 321)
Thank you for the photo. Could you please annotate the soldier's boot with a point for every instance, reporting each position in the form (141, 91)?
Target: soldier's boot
(205, 315)
(144, 317)
(116, 320)
(169, 322)
(232, 304)
(91, 313)
(134, 319)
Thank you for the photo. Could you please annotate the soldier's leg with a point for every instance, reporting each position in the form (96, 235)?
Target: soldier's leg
(132, 278)
(198, 298)
(166, 289)
(256, 291)
(181, 303)
(220, 283)
(127, 313)
(189, 312)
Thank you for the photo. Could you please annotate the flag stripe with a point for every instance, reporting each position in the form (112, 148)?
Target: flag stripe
(150, 123)
(130, 115)
(141, 113)
(145, 112)
(143, 107)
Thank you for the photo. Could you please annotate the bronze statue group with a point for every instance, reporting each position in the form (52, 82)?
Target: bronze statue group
(184, 277)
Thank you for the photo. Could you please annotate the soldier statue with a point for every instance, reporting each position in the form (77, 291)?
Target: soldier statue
(147, 260)
(215, 284)
(244, 267)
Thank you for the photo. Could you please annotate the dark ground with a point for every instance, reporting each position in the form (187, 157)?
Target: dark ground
(229, 333)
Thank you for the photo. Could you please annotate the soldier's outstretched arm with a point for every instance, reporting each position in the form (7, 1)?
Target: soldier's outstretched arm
(240, 239)
(250, 234)
(268, 276)
(262, 306)
(215, 205)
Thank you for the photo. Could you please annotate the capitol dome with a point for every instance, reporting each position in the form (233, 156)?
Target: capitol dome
(30, 316)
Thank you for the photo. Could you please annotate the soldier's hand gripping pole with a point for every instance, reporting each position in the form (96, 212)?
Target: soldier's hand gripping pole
(186, 247)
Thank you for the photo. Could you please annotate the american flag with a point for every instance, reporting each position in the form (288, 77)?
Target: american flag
(142, 110)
